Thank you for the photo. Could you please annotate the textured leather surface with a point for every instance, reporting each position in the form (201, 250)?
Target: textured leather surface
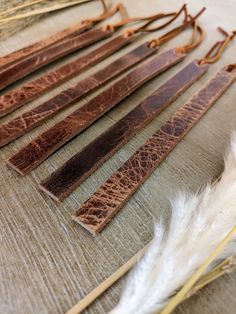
(96, 212)
(20, 54)
(22, 68)
(18, 97)
(64, 180)
(48, 142)
(30, 119)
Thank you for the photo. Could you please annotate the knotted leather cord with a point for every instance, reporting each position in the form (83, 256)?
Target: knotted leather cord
(174, 32)
(232, 67)
(119, 7)
(218, 48)
(134, 19)
(105, 7)
(151, 19)
(144, 28)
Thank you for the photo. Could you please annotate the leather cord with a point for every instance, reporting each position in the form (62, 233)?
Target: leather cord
(218, 48)
(174, 32)
(231, 67)
(150, 19)
(119, 7)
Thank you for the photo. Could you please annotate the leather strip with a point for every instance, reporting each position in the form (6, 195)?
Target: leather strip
(20, 54)
(36, 61)
(48, 142)
(99, 209)
(64, 180)
(28, 92)
(32, 118)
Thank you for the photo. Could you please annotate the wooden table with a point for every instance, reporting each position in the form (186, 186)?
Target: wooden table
(48, 262)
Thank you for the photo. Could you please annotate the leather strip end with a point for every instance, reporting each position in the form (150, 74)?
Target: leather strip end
(13, 167)
(47, 192)
(90, 229)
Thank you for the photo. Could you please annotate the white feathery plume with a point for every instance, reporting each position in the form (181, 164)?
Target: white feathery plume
(199, 222)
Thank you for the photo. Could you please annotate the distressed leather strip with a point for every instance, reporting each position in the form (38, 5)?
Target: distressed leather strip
(32, 118)
(48, 142)
(22, 68)
(28, 92)
(20, 54)
(99, 209)
(69, 176)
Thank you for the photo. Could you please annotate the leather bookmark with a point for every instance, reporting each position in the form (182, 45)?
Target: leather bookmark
(69, 176)
(48, 142)
(23, 67)
(99, 209)
(30, 119)
(69, 32)
(18, 97)
(28, 92)
(25, 52)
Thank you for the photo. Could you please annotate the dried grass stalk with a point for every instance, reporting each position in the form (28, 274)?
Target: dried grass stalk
(17, 14)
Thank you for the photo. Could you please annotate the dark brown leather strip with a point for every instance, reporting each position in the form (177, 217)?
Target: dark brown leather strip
(36, 61)
(99, 209)
(47, 143)
(30, 119)
(64, 180)
(20, 54)
(28, 92)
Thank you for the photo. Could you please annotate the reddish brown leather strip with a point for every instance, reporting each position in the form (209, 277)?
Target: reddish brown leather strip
(44, 145)
(30, 119)
(64, 180)
(20, 54)
(99, 209)
(22, 68)
(21, 95)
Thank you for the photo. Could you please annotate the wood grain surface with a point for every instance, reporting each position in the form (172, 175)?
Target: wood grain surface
(47, 262)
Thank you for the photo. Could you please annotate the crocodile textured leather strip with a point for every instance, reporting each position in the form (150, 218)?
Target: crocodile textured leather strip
(26, 66)
(30, 119)
(99, 209)
(20, 54)
(30, 156)
(18, 97)
(65, 179)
